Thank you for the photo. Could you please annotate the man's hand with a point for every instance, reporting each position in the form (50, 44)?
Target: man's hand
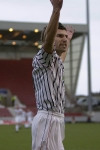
(57, 4)
(70, 32)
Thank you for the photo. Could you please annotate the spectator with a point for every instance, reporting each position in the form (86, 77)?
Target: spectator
(13, 100)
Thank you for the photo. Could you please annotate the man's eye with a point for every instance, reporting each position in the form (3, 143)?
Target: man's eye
(66, 36)
(59, 35)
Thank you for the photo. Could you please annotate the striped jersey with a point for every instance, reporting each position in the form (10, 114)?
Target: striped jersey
(47, 74)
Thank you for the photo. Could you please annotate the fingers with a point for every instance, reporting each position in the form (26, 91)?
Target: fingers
(70, 32)
(51, 1)
(70, 29)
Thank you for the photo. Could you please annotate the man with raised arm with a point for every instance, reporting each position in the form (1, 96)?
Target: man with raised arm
(48, 70)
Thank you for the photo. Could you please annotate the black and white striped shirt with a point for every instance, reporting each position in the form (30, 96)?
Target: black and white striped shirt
(49, 86)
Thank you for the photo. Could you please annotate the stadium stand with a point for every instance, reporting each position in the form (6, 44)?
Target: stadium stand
(16, 75)
(4, 112)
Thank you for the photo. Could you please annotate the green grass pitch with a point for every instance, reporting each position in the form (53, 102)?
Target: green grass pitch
(79, 136)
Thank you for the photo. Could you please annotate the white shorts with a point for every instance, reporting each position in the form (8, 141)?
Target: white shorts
(48, 131)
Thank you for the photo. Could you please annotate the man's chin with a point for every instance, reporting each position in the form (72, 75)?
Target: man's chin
(61, 50)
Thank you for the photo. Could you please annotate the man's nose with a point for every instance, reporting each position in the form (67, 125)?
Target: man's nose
(64, 38)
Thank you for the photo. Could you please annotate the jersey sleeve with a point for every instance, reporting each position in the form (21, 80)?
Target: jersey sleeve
(44, 59)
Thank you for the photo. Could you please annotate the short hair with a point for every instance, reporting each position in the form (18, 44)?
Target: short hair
(60, 26)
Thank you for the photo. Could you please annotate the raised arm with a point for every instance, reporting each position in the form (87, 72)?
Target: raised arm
(52, 27)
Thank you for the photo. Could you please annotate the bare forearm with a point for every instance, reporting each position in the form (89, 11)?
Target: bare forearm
(51, 30)
(53, 25)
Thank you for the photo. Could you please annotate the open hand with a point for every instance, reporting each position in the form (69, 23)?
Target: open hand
(70, 32)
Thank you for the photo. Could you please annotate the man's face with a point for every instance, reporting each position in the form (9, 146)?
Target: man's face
(61, 41)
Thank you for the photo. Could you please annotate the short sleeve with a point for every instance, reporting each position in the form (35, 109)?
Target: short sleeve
(44, 58)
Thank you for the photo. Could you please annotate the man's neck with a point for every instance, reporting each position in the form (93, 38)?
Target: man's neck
(62, 55)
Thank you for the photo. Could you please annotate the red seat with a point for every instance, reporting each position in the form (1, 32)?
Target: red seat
(4, 112)
(16, 75)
